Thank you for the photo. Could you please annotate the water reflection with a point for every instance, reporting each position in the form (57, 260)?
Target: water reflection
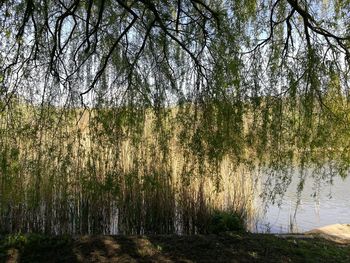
(330, 206)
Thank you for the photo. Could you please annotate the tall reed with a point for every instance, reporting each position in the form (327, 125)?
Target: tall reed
(85, 172)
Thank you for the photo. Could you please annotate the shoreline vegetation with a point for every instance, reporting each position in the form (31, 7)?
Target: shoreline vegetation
(112, 172)
(225, 247)
(130, 170)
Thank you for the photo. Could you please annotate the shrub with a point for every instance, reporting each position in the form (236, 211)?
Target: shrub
(222, 221)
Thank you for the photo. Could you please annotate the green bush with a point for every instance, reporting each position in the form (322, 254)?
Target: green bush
(222, 221)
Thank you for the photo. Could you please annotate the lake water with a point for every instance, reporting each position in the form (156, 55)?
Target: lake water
(332, 206)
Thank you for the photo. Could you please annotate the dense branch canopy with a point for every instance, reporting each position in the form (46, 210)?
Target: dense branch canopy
(142, 41)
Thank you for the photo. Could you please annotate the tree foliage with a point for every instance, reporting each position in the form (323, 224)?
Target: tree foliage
(184, 48)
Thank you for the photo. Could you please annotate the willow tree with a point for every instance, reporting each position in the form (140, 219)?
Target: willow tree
(263, 82)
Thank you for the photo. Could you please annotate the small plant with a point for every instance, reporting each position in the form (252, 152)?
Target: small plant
(15, 240)
(222, 221)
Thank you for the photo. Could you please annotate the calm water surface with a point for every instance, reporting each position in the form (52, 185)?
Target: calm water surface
(331, 207)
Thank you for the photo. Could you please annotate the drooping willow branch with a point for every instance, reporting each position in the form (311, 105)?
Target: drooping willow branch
(103, 30)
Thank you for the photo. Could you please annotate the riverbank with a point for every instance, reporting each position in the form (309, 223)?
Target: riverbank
(230, 247)
(339, 233)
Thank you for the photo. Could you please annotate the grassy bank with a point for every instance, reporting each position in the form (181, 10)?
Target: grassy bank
(170, 248)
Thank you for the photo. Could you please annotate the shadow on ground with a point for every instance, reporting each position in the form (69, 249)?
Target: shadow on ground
(197, 248)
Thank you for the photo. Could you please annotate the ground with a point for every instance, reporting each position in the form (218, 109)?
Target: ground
(229, 247)
(339, 233)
